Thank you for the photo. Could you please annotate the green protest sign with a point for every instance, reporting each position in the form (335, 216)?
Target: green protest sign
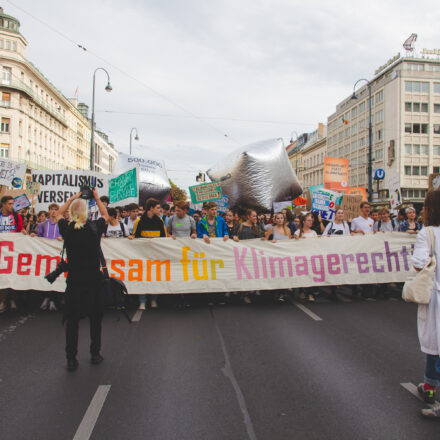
(124, 186)
(206, 192)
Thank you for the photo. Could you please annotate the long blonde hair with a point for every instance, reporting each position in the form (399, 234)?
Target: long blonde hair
(79, 212)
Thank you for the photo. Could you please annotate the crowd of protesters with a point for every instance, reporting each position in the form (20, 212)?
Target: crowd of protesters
(154, 220)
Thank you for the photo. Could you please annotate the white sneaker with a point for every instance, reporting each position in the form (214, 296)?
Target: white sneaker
(2, 306)
(247, 300)
(52, 306)
(141, 306)
(12, 305)
(44, 304)
(153, 304)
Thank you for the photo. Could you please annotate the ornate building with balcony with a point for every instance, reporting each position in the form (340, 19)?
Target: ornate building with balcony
(39, 125)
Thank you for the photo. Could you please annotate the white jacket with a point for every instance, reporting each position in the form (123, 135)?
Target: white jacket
(428, 316)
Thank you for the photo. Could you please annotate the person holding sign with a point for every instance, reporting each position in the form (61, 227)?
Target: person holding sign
(212, 225)
(149, 225)
(363, 224)
(10, 221)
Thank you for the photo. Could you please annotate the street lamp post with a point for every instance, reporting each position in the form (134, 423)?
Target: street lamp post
(136, 138)
(370, 138)
(296, 148)
(108, 88)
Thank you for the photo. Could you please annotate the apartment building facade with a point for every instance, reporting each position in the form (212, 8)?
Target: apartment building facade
(39, 125)
(405, 118)
(313, 153)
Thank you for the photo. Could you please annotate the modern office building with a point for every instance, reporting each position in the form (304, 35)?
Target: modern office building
(405, 118)
(39, 125)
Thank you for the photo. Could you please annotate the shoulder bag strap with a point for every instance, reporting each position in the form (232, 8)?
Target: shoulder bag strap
(430, 238)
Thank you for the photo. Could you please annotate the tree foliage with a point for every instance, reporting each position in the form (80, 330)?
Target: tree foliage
(177, 193)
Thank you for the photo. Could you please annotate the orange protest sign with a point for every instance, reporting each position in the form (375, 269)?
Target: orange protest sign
(357, 190)
(335, 173)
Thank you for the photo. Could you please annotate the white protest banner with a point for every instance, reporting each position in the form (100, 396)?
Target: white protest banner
(164, 265)
(394, 190)
(59, 186)
(153, 178)
(279, 206)
(324, 202)
(124, 187)
(12, 173)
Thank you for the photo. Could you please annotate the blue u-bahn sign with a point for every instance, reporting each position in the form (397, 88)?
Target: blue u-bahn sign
(379, 174)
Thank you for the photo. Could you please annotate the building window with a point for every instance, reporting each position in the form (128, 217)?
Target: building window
(407, 170)
(6, 75)
(5, 125)
(416, 107)
(408, 149)
(6, 99)
(408, 128)
(423, 171)
(379, 96)
(416, 171)
(424, 107)
(416, 67)
(14, 46)
(436, 128)
(4, 150)
(437, 88)
(416, 149)
(417, 87)
(436, 169)
(436, 108)
(408, 106)
(378, 154)
(436, 150)
(362, 107)
(354, 112)
(379, 116)
(379, 135)
(7, 45)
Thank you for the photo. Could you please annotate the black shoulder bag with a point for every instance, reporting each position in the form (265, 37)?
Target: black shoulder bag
(113, 290)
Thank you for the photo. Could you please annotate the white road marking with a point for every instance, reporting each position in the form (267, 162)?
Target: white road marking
(11, 329)
(88, 422)
(137, 316)
(413, 390)
(229, 373)
(305, 310)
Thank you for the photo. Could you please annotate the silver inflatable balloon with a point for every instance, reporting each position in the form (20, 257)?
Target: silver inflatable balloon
(257, 175)
(153, 178)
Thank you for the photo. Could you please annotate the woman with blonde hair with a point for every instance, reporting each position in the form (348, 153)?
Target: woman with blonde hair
(83, 290)
(279, 229)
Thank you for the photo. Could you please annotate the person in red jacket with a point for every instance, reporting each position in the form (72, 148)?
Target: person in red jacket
(10, 221)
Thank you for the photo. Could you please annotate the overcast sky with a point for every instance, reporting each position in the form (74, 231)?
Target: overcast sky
(249, 70)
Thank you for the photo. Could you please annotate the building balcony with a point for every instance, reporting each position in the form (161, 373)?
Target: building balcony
(17, 85)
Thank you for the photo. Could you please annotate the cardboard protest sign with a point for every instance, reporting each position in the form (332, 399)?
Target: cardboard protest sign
(335, 173)
(59, 186)
(21, 202)
(324, 203)
(33, 188)
(206, 192)
(394, 190)
(350, 205)
(12, 173)
(124, 187)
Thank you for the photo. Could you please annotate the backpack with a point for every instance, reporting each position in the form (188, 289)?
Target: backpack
(343, 231)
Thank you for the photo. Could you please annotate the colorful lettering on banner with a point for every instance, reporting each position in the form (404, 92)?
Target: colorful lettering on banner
(192, 266)
(324, 203)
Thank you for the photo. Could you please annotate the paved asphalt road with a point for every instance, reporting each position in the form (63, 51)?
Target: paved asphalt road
(261, 371)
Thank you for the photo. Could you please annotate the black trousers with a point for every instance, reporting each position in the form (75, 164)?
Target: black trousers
(88, 300)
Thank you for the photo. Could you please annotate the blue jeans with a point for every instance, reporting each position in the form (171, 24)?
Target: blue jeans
(143, 298)
(432, 371)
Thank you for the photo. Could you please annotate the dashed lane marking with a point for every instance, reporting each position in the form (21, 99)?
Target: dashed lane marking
(137, 316)
(88, 422)
(413, 390)
(11, 329)
(307, 311)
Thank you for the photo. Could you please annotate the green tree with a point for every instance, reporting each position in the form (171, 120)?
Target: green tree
(177, 193)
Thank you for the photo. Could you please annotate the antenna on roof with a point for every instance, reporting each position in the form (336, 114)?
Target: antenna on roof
(408, 45)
